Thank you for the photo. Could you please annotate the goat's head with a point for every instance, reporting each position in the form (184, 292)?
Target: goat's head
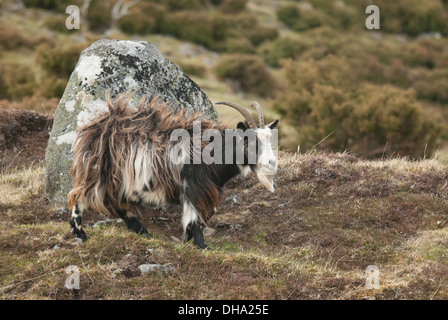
(265, 164)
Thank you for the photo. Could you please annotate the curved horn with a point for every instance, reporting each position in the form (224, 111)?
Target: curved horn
(250, 120)
(257, 106)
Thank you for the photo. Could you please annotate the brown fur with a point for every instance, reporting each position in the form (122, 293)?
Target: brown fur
(103, 152)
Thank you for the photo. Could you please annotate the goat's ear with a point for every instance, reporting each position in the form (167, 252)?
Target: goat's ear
(242, 125)
(273, 124)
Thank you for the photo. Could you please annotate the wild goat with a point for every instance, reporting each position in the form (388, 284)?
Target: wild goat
(122, 161)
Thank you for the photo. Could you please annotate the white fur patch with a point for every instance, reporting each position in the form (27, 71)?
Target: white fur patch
(244, 170)
(137, 174)
(189, 215)
(267, 161)
(157, 197)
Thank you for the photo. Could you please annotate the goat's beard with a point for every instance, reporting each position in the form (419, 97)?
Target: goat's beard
(266, 179)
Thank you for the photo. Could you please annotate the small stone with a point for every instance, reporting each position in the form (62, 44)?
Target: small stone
(208, 231)
(441, 224)
(79, 240)
(156, 268)
(107, 221)
(56, 247)
(233, 198)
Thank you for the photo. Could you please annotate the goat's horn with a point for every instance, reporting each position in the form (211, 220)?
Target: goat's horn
(257, 106)
(250, 120)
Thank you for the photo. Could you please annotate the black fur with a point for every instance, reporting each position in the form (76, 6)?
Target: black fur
(205, 183)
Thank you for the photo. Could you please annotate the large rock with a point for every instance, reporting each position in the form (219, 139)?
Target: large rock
(117, 66)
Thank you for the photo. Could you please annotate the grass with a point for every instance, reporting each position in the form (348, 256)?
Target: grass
(17, 185)
(332, 215)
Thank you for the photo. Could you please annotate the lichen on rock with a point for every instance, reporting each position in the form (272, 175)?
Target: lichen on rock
(116, 66)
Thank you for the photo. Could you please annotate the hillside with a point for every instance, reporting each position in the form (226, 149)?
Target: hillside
(363, 164)
(332, 215)
(312, 63)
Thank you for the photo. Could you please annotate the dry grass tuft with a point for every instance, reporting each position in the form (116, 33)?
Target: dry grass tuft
(332, 215)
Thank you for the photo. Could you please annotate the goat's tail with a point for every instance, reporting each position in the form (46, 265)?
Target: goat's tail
(97, 158)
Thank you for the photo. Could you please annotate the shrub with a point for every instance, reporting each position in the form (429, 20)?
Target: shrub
(340, 14)
(397, 73)
(57, 23)
(433, 86)
(417, 55)
(261, 34)
(17, 81)
(99, 15)
(143, 18)
(212, 30)
(241, 45)
(209, 30)
(385, 114)
(345, 16)
(232, 6)
(179, 5)
(3, 88)
(197, 27)
(292, 17)
(289, 14)
(193, 68)
(248, 71)
(239, 25)
(11, 38)
(331, 70)
(51, 87)
(367, 67)
(54, 5)
(320, 101)
(59, 61)
(43, 4)
(428, 53)
(414, 17)
(282, 48)
(310, 20)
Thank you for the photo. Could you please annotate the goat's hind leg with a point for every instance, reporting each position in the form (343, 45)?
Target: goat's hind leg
(76, 222)
(192, 226)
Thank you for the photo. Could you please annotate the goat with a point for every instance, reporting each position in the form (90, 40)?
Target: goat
(121, 162)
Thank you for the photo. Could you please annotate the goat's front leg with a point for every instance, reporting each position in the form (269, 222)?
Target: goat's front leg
(192, 226)
(132, 223)
(76, 222)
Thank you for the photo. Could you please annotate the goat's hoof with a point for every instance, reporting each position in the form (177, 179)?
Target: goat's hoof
(80, 235)
(202, 246)
(145, 235)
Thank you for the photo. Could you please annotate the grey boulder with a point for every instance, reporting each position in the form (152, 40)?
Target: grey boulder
(116, 66)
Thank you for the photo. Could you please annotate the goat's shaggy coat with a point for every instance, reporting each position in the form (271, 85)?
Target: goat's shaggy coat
(122, 160)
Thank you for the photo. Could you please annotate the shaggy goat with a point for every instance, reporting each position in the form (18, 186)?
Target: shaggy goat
(122, 161)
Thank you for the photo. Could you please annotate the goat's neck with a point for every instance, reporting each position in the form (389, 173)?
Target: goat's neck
(227, 171)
